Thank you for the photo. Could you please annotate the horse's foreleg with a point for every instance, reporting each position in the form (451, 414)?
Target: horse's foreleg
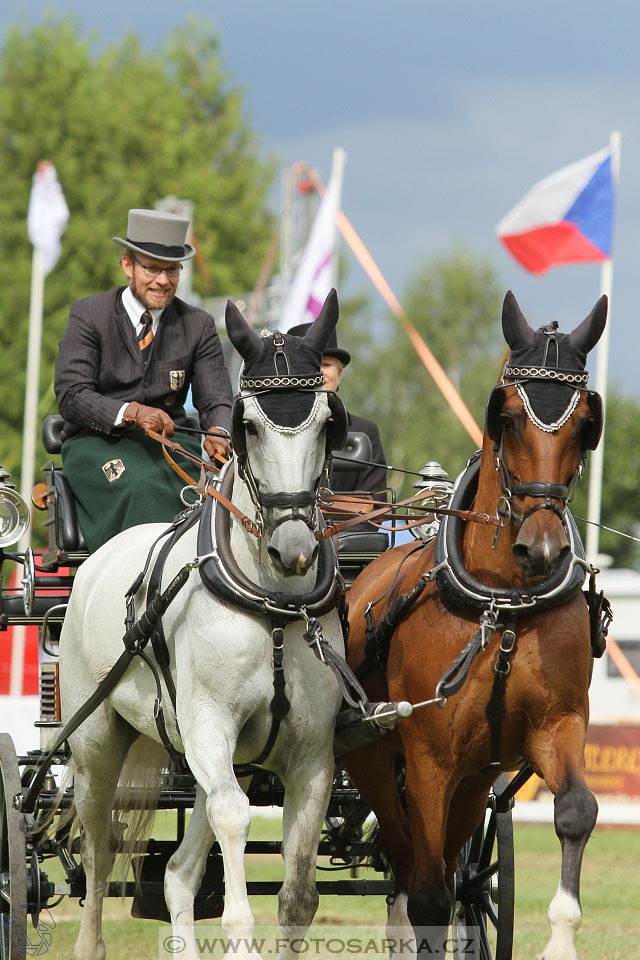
(306, 798)
(372, 771)
(575, 812)
(184, 875)
(429, 904)
(211, 761)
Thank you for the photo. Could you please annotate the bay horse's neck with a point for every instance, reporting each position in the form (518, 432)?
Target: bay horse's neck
(493, 566)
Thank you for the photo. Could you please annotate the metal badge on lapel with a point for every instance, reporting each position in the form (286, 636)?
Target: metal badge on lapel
(177, 378)
(113, 469)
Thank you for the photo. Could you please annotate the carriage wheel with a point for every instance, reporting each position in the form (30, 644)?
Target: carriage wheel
(485, 884)
(13, 858)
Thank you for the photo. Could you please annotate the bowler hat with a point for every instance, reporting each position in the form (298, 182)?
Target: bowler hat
(158, 234)
(331, 348)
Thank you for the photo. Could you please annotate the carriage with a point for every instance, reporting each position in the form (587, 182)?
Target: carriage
(33, 788)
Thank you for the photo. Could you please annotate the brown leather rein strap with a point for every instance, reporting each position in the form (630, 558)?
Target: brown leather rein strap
(367, 514)
(389, 510)
(209, 491)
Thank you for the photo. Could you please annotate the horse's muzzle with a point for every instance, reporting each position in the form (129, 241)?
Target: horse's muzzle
(540, 554)
(293, 548)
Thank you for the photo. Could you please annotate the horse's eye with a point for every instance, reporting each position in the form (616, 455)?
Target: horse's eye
(250, 428)
(507, 422)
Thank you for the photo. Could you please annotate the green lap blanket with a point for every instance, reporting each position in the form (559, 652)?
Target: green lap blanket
(120, 481)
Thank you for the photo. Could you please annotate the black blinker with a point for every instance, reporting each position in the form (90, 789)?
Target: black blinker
(594, 430)
(492, 416)
(337, 427)
(238, 438)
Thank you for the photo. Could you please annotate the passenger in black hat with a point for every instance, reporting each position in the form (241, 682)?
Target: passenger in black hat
(365, 477)
(126, 361)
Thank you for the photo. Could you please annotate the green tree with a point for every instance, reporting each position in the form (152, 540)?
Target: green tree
(620, 492)
(454, 301)
(124, 127)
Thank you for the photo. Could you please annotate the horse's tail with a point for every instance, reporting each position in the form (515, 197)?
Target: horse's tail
(136, 802)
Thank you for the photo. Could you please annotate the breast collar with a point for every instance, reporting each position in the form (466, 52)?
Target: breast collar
(460, 588)
(223, 577)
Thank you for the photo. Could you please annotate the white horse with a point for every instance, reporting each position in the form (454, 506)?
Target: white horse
(221, 657)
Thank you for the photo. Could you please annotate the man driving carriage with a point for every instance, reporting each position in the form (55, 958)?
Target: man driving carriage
(126, 360)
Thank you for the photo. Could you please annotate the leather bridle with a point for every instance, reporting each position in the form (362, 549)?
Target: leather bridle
(294, 502)
(548, 493)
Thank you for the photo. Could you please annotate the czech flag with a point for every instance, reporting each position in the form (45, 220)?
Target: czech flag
(565, 218)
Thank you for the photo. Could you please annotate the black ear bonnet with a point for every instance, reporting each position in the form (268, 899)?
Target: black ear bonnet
(553, 351)
(286, 377)
(548, 369)
(292, 359)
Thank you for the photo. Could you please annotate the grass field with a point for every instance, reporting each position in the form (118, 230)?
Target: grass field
(610, 929)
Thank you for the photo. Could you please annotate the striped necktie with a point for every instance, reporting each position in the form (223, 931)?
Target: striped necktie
(145, 337)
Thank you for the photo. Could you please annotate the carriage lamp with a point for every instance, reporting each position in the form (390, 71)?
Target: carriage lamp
(433, 477)
(14, 512)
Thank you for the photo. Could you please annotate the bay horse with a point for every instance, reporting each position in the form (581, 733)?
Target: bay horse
(249, 688)
(504, 605)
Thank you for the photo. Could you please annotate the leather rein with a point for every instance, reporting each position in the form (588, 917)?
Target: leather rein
(382, 511)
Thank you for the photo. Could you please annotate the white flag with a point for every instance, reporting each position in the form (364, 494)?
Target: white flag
(318, 268)
(48, 214)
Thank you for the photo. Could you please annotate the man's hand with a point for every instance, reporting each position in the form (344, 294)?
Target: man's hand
(218, 448)
(148, 418)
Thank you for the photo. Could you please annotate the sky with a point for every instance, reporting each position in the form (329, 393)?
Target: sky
(448, 110)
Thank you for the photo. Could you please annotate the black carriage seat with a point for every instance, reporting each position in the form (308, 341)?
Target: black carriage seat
(356, 548)
(66, 543)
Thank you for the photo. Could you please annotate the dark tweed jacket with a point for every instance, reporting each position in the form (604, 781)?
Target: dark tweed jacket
(99, 366)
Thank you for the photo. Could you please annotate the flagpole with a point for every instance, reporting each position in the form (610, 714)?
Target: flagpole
(596, 462)
(32, 385)
(337, 176)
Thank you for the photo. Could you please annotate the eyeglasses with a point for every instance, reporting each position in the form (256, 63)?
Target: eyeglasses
(151, 271)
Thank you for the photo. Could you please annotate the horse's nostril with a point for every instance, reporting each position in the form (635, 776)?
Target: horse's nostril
(521, 552)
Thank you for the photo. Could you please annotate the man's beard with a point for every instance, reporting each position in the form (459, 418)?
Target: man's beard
(148, 302)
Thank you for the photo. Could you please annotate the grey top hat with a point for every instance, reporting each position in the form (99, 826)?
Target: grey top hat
(331, 348)
(158, 234)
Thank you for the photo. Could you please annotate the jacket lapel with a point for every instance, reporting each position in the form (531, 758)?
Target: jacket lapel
(126, 331)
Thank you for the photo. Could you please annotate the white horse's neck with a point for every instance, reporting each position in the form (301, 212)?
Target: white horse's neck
(250, 552)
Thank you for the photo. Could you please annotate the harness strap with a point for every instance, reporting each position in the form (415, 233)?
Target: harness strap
(210, 491)
(540, 488)
(135, 639)
(387, 510)
(454, 676)
(280, 704)
(158, 715)
(158, 640)
(495, 708)
(376, 646)
(350, 687)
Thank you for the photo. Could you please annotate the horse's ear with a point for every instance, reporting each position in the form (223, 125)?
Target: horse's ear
(323, 326)
(515, 328)
(246, 341)
(586, 335)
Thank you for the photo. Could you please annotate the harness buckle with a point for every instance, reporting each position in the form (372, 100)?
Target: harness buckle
(488, 624)
(313, 636)
(508, 641)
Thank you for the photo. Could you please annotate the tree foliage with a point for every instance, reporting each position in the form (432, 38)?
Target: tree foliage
(124, 127)
(620, 506)
(454, 302)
